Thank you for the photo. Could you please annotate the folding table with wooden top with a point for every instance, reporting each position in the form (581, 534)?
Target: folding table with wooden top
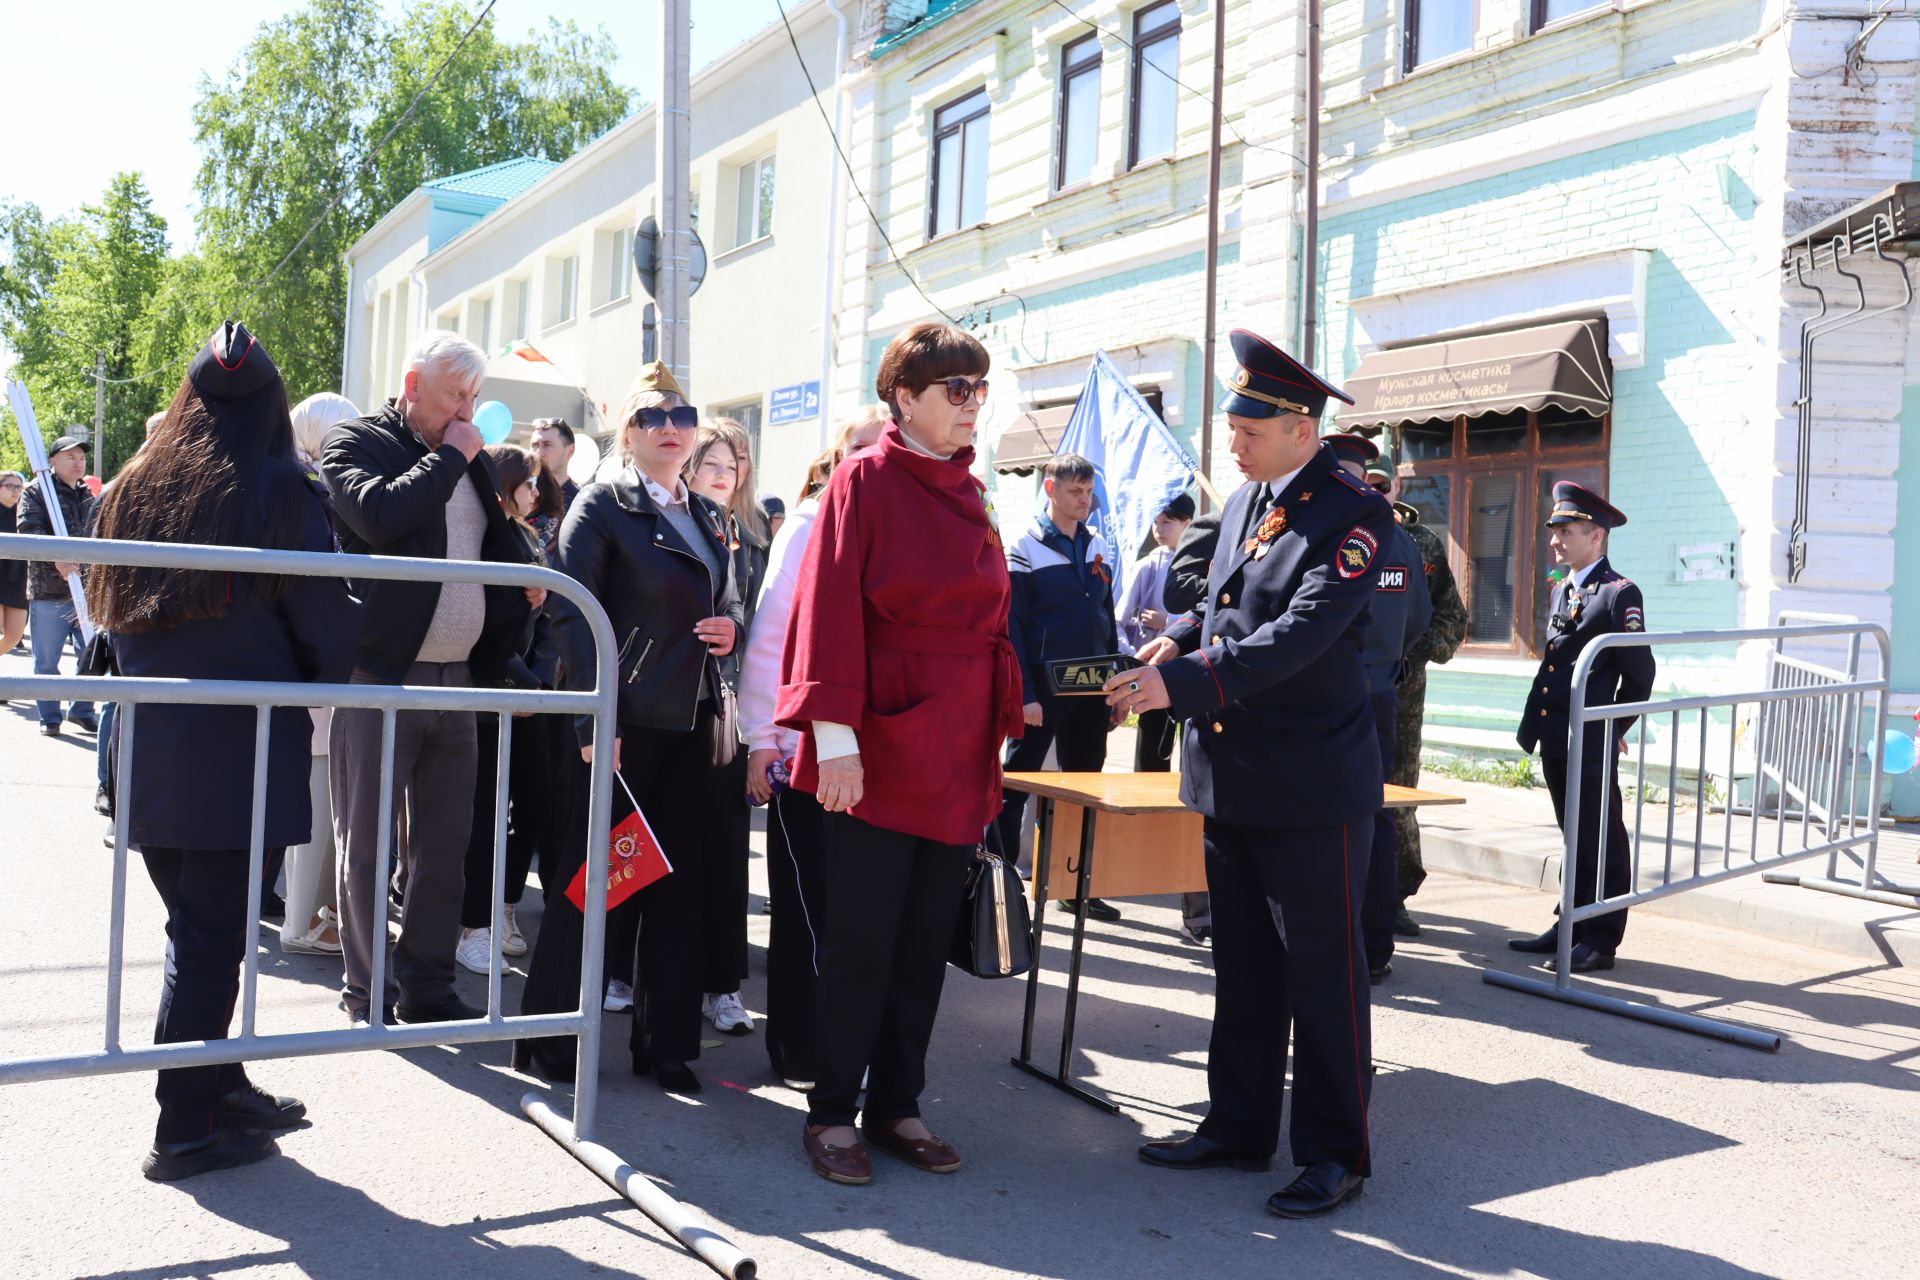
(1148, 844)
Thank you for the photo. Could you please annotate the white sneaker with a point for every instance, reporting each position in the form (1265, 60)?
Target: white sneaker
(515, 943)
(475, 949)
(619, 997)
(727, 1014)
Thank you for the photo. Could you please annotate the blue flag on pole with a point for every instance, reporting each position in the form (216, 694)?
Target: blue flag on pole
(1138, 467)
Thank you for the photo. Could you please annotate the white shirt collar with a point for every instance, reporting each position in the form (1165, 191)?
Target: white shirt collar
(1578, 578)
(1277, 487)
(917, 447)
(661, 497)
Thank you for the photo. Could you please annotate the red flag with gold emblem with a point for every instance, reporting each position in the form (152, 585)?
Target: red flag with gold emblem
(634, 859)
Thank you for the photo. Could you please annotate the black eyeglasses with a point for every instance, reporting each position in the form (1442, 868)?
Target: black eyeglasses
(684, 418)
(959, 390)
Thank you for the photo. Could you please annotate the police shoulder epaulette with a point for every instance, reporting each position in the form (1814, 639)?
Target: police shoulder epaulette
(1346, 478)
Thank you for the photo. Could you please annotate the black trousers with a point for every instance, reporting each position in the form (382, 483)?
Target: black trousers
(796, 886)
(205, 892)
(1078, 725)
(892, 903)
(1153, 748)
(1382, 898)
(667, 772)
(1287, 955)
(529, 798)
(726, 827)
(1597, 767)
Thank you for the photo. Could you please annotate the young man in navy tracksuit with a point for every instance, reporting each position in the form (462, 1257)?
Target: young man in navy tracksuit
(1062, 575)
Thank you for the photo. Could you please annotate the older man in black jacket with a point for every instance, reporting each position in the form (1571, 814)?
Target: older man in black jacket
(412, 480)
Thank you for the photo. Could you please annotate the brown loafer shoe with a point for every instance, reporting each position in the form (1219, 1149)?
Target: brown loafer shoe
(931, 1154)
(848, 1165)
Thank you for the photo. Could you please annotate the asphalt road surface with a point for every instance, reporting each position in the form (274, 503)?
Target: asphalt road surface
(1513, 1136)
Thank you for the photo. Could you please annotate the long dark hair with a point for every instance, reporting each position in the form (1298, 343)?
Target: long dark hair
(220, 472)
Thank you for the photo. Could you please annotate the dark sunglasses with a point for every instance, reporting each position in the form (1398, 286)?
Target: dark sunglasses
(684, 418)
(1381, 486)
(960, 389)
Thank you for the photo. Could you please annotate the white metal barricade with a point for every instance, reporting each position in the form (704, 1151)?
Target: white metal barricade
(1804, 728)
(575, 1134)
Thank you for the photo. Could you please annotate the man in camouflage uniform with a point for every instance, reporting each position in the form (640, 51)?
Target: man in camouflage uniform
(1442, 638)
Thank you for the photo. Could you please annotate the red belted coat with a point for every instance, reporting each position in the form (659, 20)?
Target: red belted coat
(899, 629)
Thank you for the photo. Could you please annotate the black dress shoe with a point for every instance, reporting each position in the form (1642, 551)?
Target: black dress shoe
(676, 1077)
(86, 724)
(1196, 1152)
(255, 1108)
(1544, 945)
(1320, 1188)
(530, 1059)
(1380, 974)
(272, 905)
(1404, 925)
(448, 1008)
(1585, 959)
(1096, 909)
(222, 1149)
(359, 1017)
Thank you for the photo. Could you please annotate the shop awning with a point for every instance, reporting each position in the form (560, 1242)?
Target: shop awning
(1561, 366)
(1031, 439)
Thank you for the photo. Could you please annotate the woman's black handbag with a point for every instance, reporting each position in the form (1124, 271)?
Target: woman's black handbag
(994, 935)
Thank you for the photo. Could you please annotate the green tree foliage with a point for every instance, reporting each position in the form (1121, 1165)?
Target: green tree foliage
(284, 133)
(77, 286)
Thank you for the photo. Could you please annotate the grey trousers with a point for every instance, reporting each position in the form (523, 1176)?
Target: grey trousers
(434, 760)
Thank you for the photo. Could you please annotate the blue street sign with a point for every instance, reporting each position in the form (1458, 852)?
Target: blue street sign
(793, 404)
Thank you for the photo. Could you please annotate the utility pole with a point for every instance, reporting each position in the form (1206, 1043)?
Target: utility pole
(671, 143)
(1211, 327)
(1310, 249)
(100, 413)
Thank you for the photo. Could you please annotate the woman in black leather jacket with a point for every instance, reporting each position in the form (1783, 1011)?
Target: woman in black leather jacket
(656, 557)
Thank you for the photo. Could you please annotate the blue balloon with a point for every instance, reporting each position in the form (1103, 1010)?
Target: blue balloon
(495, 421)
(1898, 753)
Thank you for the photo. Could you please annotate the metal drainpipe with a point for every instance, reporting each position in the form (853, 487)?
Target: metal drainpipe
(346, 324)
(835, 215)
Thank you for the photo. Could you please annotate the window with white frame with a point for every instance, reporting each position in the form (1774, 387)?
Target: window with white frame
(958, 197)
(1079, 122)
(753, 201)
(747, 414)
(519, 308)
(480, 323)
(1156, 63)
(1550, 11)
(613, 276)
(1436, 29)
(563, 290)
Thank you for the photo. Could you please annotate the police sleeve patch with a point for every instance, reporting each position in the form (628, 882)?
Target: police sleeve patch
(1633, 619)
(1355, 554)
(1393, 577)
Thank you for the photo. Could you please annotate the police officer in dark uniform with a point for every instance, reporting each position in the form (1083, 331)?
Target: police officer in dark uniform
(1590, 601)
(1401, 612)
(1282, 761)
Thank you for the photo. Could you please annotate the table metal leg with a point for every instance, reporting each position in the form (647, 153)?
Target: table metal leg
(1041, 860)
(1060, 1079)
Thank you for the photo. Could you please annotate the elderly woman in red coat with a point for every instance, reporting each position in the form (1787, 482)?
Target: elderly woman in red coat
(897, 658)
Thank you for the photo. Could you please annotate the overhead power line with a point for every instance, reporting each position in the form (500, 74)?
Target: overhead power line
(892, 252)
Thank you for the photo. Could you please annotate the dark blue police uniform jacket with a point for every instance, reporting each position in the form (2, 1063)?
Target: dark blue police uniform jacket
(1282, 734)
(192, 779)
(1607, 602)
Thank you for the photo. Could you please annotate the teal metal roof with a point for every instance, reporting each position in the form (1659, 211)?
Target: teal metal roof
(501, 181)
(938, 11)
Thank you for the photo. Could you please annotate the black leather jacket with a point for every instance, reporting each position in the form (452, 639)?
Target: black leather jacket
(654, 588)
